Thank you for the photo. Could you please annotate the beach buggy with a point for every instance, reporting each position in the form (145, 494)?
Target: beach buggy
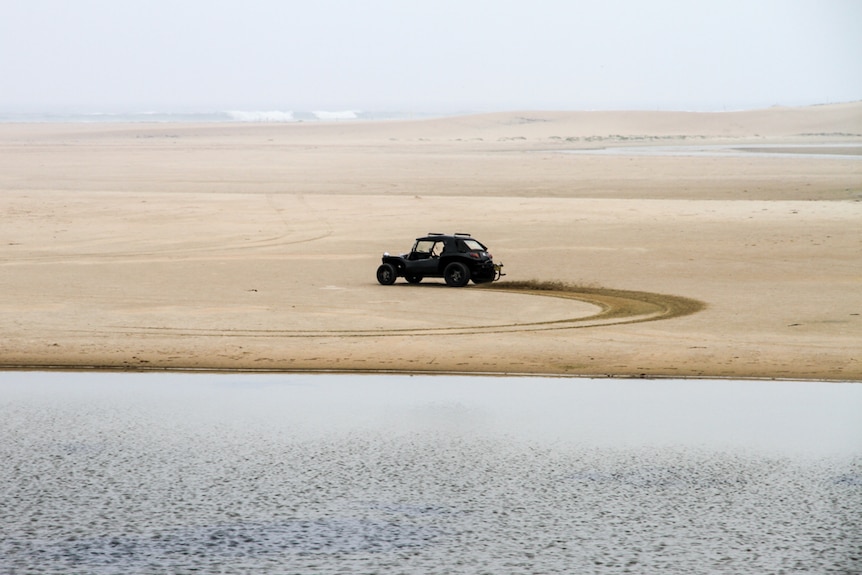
(457, 258)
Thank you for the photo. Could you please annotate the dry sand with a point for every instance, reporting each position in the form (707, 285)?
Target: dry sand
(246, 246)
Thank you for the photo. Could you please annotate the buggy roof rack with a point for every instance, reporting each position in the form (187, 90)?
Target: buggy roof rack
(435, 234)
(462, 234)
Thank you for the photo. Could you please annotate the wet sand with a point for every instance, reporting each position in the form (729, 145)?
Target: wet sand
(253, 247)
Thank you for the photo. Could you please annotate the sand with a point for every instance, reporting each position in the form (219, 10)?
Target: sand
(254, 246)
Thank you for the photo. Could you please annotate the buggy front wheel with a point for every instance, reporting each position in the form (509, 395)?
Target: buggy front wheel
(387, 274)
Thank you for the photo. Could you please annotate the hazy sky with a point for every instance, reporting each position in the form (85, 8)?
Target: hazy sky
(426, 55)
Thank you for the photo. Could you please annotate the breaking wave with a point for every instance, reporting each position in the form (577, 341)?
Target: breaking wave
(250, 116)
(343, 115)
(261, 116)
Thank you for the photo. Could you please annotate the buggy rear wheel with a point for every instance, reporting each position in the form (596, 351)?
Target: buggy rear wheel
(456, 274)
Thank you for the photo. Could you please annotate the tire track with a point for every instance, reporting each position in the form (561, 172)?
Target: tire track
(616, 307)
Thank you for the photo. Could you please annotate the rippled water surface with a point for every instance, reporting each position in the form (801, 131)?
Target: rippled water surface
(167, 473)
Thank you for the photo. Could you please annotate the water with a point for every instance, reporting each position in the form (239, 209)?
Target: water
(169, 473)
(243, 116)
(845, 151)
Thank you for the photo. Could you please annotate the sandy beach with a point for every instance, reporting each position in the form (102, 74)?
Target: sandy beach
(254, 246)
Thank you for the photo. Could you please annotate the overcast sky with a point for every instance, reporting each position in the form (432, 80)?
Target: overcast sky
(426, 55)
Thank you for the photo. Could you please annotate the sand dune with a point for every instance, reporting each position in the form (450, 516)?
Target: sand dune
(253, 246)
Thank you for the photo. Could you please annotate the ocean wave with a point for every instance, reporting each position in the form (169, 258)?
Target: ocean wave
(260, 116)
(340, 115)
(292, 116)
(248, 116)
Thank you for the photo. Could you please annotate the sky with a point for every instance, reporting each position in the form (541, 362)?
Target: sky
(426, 56)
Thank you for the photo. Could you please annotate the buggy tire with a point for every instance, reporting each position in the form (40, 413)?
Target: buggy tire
(387, 274)
(456, 274)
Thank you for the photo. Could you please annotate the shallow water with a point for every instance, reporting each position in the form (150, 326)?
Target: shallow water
(849, 151)
(168, 473)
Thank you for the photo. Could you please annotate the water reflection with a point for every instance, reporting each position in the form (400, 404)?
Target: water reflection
(143, 473)
(845, 151)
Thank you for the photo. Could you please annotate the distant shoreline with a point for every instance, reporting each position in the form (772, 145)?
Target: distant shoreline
(257, 116)
(382, 372)
(228, 117)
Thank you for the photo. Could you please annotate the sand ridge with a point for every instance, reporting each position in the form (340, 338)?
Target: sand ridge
(253, 247)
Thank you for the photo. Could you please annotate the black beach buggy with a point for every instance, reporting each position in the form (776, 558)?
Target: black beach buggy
(457, 258)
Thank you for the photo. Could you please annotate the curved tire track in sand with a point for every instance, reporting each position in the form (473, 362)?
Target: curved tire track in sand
(616, 307)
